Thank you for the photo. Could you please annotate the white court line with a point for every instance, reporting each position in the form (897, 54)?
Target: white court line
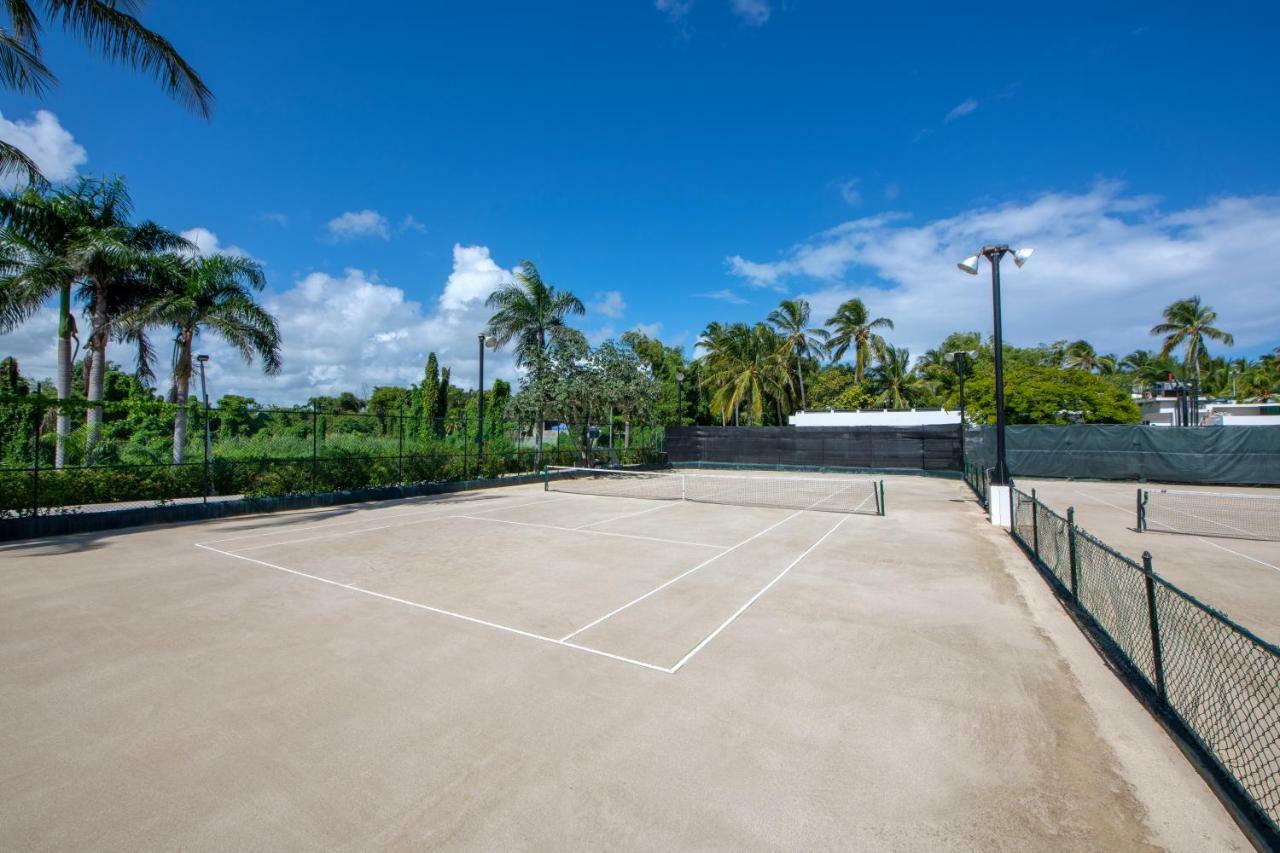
(597, 532)
(664, 505)
(1197, 538)
(450, 613)
(678, 577)
(327, 523)
(754, 598)
(419, 518)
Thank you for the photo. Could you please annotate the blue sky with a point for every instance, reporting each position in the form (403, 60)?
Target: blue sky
(682, 161)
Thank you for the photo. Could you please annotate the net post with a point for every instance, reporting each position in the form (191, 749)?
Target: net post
(546, 478)
(880, 495)
(1142, 515)
(1157, 650)
(1071, 551)
(1035, 524)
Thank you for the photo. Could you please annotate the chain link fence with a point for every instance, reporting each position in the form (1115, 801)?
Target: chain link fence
(1217, 682)
(114, 456)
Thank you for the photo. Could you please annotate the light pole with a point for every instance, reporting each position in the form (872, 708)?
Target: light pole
(961, 360)
(679, 398)
(999, 495)
(208, 443)
(993, 254)
(491, 342)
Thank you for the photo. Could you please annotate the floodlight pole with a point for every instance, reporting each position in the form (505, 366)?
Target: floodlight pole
(208, 442)
(999, 476)
(480, 414)
(680, 398)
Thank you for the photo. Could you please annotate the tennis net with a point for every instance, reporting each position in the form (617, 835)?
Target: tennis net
(1227, 514)
(817, 493)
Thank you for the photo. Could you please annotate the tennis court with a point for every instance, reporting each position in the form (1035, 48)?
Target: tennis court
(1213, 561)
(520, 668)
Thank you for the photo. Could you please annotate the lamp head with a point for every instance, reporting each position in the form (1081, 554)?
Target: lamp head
(970, 265)
(679, 377)
(1021, 256)
(202, 358)
(490, 341)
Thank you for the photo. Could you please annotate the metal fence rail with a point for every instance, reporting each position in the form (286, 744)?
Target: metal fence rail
(979, 479)
(1216, 681)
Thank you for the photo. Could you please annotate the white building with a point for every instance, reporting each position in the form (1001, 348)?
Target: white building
(875, 417)
(1164, 411)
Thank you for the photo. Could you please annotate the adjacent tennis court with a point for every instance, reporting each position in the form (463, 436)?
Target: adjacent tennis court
(529, 668)
(1215, 542)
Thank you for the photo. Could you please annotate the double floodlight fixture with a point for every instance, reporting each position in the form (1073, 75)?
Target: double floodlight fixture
(994, 254)
(960, 355)
(489, 341)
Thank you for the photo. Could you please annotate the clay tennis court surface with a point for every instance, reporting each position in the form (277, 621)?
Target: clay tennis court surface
(520, 669)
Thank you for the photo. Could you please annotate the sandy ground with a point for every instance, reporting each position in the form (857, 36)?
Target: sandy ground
(512, 669)
(1239, 577)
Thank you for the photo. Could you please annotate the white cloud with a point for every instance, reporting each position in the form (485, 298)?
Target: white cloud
(474, 277)
(849, 192)
(963, 108)
(609, 303)
(411, 224)
(753, 13)
(673, 9)
(207, 243)
(345, 332)
(47, 142)
(359, 223)
(649, 330)
(724, 295)
(1106, 263)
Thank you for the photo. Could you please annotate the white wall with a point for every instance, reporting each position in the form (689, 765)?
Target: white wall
(874, 418)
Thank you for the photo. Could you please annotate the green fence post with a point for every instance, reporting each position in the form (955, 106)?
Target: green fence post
(1035, 524)
(1142, 512)
(315, 418)
(882, 507)
(400, 457)
(1157, 649)
(205, 499)
(1071, 551)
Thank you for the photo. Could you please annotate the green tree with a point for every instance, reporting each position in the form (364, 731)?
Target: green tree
(799, 342)
(429, 395)
(442, 397)
(744, 367)
(894, 380)
(854, 328)
(1036, 394)
(1188, 323)
(107, 27)
(830, 384)
(215, 294)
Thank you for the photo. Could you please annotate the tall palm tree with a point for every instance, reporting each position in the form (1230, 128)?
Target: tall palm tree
(1189, 322)
(526, 311)
(799, 342)
(111, 256)
(37, 231)
(854, 328)
(192, 295)
(105, 26)
(744, 366)
(898, 384)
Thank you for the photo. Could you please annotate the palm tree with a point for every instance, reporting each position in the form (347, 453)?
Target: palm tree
(191, 295)
(853, 328)
(1082, 356)
(37, 231)
(898, 383)
(527, 310)
(744, 365)
(1189, 322)
(791, 319)
(111, 256)
(106, 27)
